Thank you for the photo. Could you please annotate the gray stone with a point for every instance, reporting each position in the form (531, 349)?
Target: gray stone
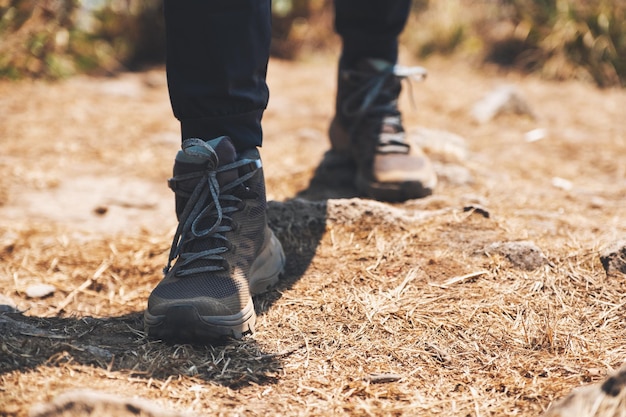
(505, 99)
(522, 254)
(613, 258)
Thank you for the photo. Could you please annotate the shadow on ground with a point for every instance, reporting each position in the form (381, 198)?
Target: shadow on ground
(119, 343)
(300, 222)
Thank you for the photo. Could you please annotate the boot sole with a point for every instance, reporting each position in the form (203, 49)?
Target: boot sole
(392, 191)
(182, 322)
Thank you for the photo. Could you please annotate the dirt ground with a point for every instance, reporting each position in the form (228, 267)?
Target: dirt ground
(488, 298)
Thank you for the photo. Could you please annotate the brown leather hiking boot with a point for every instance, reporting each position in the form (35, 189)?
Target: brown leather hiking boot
(368, 127)
(223, 250)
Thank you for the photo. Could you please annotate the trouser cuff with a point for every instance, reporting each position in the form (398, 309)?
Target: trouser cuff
(356, 50)
(244, 130)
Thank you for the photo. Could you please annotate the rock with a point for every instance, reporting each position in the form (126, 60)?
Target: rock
(505, 99)
(40, 290)
(535, 135)
(523, 254)
(453, 174)
(597, 202)
(87, 403)
(354, 210)
(477, 209)
(613, 258)
(562, 184)
(337, 211)
(605, 399)
(439, 144)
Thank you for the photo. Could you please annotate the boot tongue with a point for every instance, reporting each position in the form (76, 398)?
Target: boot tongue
(190, 161)
(227, 155)
(197, 158)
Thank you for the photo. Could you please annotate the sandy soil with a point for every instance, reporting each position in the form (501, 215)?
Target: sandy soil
(430, 293)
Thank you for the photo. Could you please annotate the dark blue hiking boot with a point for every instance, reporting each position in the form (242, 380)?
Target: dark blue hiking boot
(223, 251)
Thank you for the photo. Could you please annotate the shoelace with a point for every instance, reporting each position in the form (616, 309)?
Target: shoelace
(208, 200)
(368, 94)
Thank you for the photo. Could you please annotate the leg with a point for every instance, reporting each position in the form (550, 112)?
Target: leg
(217, 53)
(370, 29)
(222, 252)
(367, 126)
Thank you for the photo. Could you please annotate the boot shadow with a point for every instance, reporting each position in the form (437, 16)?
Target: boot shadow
(333, 179)
(119, 344)
(300, 222)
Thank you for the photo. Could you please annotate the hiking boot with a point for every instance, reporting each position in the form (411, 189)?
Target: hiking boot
(368, 128)
(224, 252)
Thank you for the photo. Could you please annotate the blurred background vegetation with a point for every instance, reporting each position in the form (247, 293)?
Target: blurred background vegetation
(583, 39)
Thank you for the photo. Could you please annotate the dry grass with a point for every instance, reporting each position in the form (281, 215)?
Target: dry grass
(384, 310)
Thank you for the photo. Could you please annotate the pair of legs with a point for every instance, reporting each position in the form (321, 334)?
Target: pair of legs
(218, 50)
(217, 55)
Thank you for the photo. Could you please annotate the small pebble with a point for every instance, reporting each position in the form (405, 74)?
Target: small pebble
(505, 99)
(535, 135)
(597, 202)
(562, 183)
(478, 209)
(40, 290)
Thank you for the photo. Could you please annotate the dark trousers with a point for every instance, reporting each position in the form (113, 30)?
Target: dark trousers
(217, 54)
